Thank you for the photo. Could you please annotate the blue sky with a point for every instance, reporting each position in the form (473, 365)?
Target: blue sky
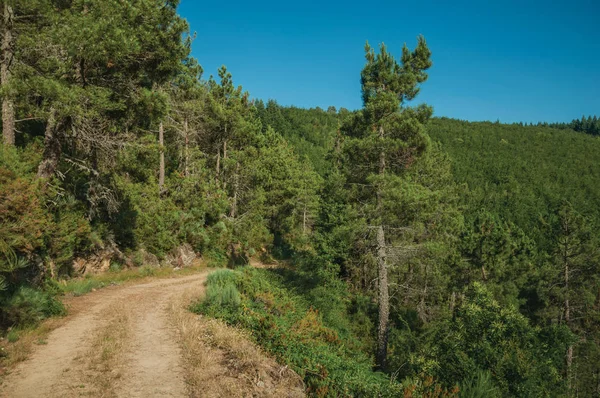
(509, 60)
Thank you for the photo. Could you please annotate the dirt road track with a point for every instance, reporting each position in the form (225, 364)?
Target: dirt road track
(149, 363)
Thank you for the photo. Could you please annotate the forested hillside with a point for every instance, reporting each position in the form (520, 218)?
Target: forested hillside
(310, 131)
(422, 256)
(523, 174)
(528, 200)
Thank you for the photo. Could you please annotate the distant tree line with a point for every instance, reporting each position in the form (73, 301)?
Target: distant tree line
(589, 125)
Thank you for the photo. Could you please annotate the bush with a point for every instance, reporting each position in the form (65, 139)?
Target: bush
(13, 335)
(221, 290)
(22, 215)
(482, 334)
(223, 296)
(221, 277)
(115, 267)
(29, 306)
(480, 385)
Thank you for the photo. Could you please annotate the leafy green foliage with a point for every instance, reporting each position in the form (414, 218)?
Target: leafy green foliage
(22, 216)
(311, 132)
(522, 175)
(480, 385)
(483, 335)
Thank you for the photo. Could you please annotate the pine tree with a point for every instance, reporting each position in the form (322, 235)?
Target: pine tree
(383, 140)
(187, 97)
(23, 26)
(84, 73)
(570, 281)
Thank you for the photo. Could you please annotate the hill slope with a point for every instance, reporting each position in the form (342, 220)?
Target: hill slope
(522, 173)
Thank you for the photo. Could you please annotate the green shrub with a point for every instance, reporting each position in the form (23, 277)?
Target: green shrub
(221, 277)
(23, 218)
(330, 302)
(138, 258)
(216, 258)
(115, 267)
(223, 296)
(479, 385)
(13, 335)
(29, 306)
(482, 334)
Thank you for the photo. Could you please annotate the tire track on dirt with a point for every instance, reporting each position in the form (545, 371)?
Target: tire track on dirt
(152, 367)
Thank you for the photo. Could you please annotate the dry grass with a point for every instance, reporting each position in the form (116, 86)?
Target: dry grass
(221, 361)
(13, 353)
(18, 351)
(105, 356)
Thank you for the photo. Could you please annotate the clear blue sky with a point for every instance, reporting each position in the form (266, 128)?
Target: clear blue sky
(509, 60)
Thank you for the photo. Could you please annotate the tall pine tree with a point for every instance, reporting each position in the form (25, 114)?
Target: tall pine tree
(383, 140)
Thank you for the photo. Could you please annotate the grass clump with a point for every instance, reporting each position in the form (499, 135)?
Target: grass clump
(226, 295)
(79, 287)
(29, 306)
(221, 290)
(222, 277)
(12, 336)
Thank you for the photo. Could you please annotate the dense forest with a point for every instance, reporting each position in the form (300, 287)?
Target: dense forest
(423, 256)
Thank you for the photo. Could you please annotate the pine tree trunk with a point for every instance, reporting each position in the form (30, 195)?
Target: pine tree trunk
(224, 159)
(236, 183)
(186, 159)
(52, 148)
(8, 109)
(161, 172)
(218, 166)
(452, 302)
(569, 356)
(384, 299)
(304, 220)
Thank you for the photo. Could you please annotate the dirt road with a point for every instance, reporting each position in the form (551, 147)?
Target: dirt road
(127, 342)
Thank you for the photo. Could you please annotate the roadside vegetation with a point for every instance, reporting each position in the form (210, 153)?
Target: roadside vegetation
(308, 327)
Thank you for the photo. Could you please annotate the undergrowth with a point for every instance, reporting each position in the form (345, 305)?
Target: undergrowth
(317, 343)
(221, 290)
(28, 306)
